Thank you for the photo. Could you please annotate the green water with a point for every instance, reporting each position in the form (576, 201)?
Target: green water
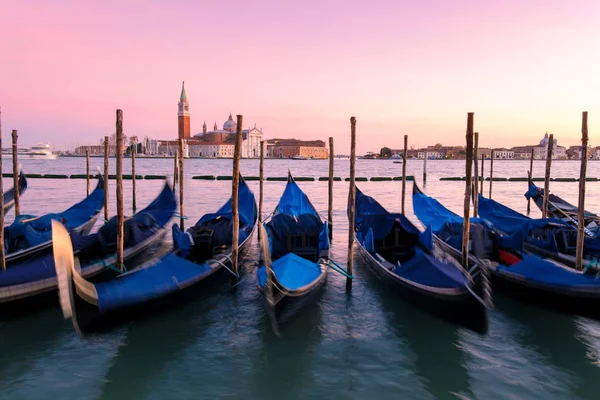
(363, 344)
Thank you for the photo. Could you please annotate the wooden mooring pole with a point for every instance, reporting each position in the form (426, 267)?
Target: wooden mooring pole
(181, 214)
(15, 163)
(491, 173)
(467, 206)
(175, 169)
(482, 176)
(87, 172)
(352, 201)
(330, 191)
(547, 176)
(581, 204)
(404, 152)
(476, 164)
(261, 173)
(261, 178)
(105, 178)
(530, 180)
(2, 253)
(133, 195)
(119, 173)
(235, 187)
(425, 169)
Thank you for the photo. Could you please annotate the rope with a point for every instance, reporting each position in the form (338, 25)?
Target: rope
(593, 264)
(225, 266)
(112, 266)
(334, 266)
(573, 220)
(177, 215)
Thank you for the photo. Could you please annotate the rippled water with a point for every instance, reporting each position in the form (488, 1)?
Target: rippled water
(358, 345)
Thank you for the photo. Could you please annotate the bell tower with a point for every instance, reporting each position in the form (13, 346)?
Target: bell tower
(183, 115)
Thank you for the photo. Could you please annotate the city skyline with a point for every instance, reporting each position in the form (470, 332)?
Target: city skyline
(301, 70)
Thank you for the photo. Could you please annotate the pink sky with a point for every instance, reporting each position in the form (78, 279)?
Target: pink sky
(301, 69)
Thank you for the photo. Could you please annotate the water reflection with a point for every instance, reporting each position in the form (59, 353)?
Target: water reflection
(22, 341)
(438, 360)
(558, 338)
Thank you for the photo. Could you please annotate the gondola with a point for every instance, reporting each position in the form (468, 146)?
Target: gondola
(31, 283)
(296, 245)
(418, 268)
(29, 236)
(9, 195)
(197, 257)
(563, 210)
(548, 237)
(515, 271)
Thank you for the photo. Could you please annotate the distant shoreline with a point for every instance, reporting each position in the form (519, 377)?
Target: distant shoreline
(315, 159)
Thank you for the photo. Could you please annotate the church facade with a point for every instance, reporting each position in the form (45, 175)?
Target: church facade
(209, 143)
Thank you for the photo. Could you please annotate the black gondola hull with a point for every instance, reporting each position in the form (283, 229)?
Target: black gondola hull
(41, 299)
(461, 308)
(294, 302)
(87, 317)
(586, 304)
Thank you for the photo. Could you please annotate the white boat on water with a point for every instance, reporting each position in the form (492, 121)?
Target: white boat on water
(40, 151)
(299, 158)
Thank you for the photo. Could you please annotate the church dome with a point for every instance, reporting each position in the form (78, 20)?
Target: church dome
(545, 140)
(230, 125)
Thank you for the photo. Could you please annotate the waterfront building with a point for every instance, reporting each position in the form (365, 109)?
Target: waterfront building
(289, 148)
(540, 151)
(574, 153)
(171, 147)
(94, 150)
(251, 139)
(431, 154)
(211, 149)
(503, 154)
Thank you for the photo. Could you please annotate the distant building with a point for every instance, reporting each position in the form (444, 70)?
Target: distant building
(211, 149)
(251, 138)
(503, 154)
(540, 151)
(431, 154)
(288, 148)
(574, 152)
(95, 150)
(486, 152)
(171, 147)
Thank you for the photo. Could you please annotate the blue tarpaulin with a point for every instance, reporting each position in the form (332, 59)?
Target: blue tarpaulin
(426, 270)
(246, 209)
(98, 245)
(545, 272)
(27, 231)
(291, 271)
(145, 284)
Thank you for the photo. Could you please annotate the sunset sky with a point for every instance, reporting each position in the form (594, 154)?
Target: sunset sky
(301, 69)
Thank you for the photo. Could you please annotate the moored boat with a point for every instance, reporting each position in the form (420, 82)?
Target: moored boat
(297, 249)
(31, 283)
(9, 195)
(548, 237)
(416, 267)
(30, 236)
(561, 209)
(514, 271)
(198, 257)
